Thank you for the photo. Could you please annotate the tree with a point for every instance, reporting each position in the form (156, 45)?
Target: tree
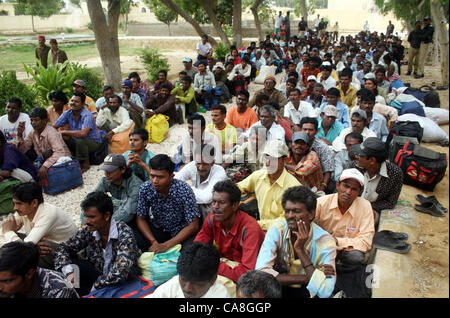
(162, 12)
(125, 8)
(208, 6)
(38, 8)
(237, 22)
(262, 14)
(438, 15)
(304, 10)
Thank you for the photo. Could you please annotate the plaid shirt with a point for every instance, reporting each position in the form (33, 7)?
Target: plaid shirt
(308, 170)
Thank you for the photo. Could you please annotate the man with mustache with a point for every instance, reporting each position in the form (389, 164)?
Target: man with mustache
(236, 234)
(298, 252)
(349, 219)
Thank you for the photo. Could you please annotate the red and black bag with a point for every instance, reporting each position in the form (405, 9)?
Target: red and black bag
(422, 167)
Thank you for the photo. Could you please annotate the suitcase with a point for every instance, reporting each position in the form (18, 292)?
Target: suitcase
(62, 177)
(397, 143)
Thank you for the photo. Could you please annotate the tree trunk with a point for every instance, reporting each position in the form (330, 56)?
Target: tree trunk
(174, 7)
(304, 10)
(254, 10)
(32, 23)
(237, 22)
(438, 16)
(106, 39)
(168, 25)
(125, 28)
(212, 16)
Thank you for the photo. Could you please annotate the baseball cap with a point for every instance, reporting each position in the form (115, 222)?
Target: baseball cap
(113, 162)
(219, 64)
(311, 78)
(326, 63)
(79, 83)
(427, 18)
(330, 111)
(315, 49)
(369, 75)
(352, 173)
(360, 113)
(127, 82)
(276, 148)
(372, 146)
(300, 135)
(187, 59)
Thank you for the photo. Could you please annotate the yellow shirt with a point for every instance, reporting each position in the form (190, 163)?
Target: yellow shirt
(352, 230)
(226, 135)
(268, 196)
(349, 98)
(90, 105)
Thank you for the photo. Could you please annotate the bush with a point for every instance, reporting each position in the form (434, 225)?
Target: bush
(221, 51)
(11, 87)
(89, 26)
(69, 30)
(153, 63)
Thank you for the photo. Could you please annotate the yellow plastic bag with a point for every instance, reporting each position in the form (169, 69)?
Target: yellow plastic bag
(157, 127)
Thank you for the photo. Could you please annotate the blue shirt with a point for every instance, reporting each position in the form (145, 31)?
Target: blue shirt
(86, 119)
(333, 132)
(378, 125)
(342, 109)
(172, 213)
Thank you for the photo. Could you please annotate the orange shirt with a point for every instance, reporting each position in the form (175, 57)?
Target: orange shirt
(244, 120)
(352, 230)
(53, 115)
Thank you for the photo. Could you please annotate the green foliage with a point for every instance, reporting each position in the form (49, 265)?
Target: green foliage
(38, 8)
(89, 26)
(228, 29)
(162, 13)
(265, 13)
(61, 77)
(69, 30)
(311, 7)
(221, 50)
(11, 87)
(222, 8)
(154, 62)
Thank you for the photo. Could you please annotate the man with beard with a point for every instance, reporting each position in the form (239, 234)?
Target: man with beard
(269, 90)
(162, 103)
(298, 252)
(237, 235)
(111, 251)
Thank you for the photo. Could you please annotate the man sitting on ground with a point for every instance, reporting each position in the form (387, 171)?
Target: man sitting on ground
(317, 97)
(185, 95)
(345, 157)
(269, 90)
(359, 125)
(377, 122)
(167, 212)
(102, 102)
(21, 277)
(197, 269)
(123, 186)
(42, 223)
(59, 105)
(296, 109)
(269, 183)
(137, 89)
(267, 117)
(333, 96)
(241, 116)
(162, 79)
(240, 75)
(138, 157)
(224, 131)
(349, 219)
(162, 103)
(80, 87)
(298, 252)
(113, 119)
(46, 141)
(383, 180)
(329, 128)
(111, 251)
(237, 235)
(82, 136)
(203, 175)
(14, 122)
(303, 163)
(190, 71)
(132, 103)
(347, 91)
(204, 84)
(258, 284)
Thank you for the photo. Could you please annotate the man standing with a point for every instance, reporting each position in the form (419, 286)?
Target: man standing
(236, 234)
(299, 253)
(167, 212)
(82, 136)
(390, 29)
(58, 55)
(287, 23)
(366, 27)
(302, 25)
(414, 48)
(278, 21)
(80, 87)
(316, 23)
(132, 102)
(14, 122)
(303, 163)
(426, 38)
(41, 52)
(335, 30)
(269, 183)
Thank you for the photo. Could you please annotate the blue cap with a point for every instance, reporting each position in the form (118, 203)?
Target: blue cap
(127, 82)
(300, 135)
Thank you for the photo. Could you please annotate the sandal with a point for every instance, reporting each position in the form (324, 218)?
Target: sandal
(391, 241)
(442, 88)
(399, 236)
(423, 199)
(429, 208)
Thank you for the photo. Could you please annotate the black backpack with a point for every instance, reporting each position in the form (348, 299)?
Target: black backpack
(422, 168)
(425, 94)
(406, 129)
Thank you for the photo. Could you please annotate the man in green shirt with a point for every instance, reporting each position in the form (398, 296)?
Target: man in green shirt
(138, 157)
(41, 51)
(185, 94)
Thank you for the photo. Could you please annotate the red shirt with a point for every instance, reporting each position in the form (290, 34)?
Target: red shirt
(241, 244)
(305, 72)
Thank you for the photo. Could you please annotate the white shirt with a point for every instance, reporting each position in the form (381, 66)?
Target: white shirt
(305, 109)
(278, 20)
(49, 221)
(9, 129)
(190, 145)
(119, 121)
(275, 132)
(134, 98)
(242, 71)
(316, 22)
(203, 48)
(339, 142)
(172, 289)
(371, 184)
(203, 190)
(202, 82)
(328, 83)
(366, 27)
